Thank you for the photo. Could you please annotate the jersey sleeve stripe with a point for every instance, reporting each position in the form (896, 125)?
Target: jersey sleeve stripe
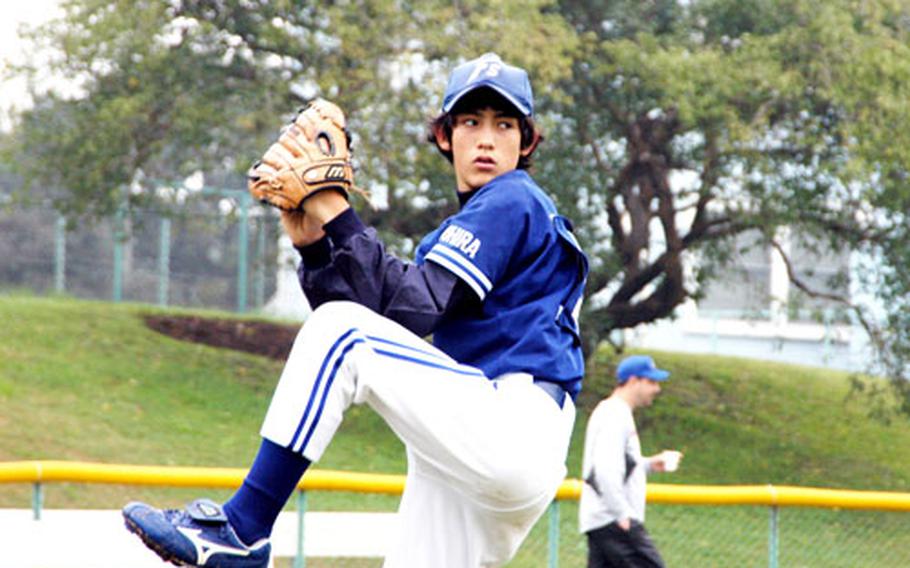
(458, 271)
(468, 266)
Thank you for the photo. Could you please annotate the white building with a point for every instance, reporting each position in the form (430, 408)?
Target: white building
(754, 311)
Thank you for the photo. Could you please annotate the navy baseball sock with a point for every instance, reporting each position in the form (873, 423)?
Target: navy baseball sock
(253, 509)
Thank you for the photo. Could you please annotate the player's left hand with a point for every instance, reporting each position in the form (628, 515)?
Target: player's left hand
(301, 228)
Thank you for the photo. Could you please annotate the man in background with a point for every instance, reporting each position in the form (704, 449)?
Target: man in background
(612, 509)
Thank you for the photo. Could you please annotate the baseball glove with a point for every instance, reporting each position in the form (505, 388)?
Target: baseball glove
(312, 154)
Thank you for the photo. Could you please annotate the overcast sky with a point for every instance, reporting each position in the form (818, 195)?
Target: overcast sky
(12, 14)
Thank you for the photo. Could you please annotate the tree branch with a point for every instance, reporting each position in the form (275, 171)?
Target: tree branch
(871, 329)
(799, 283)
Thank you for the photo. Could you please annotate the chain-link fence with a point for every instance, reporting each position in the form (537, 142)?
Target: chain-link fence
(214, 249)
(705, 535)
(702, 536)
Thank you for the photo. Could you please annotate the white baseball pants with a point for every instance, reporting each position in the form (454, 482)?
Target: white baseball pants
(485, 457)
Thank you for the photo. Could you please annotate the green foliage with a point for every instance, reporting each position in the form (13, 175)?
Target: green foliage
(750, 422)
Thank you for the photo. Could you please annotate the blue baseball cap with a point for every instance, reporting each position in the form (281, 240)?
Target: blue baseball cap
(488, 70)
(639, 366)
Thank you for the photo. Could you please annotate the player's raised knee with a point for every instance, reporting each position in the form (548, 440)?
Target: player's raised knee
(337, 313)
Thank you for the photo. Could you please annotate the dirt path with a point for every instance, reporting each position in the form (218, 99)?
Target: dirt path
(262, 338)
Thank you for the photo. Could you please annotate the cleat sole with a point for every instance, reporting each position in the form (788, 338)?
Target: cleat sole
(151, 544)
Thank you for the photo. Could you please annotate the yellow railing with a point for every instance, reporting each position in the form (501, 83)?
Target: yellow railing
(328, 480)
(173, 476)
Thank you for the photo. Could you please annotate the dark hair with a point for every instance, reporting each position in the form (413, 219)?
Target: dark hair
(479, 99)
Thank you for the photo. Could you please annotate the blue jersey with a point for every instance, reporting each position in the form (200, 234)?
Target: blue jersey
(519, 256)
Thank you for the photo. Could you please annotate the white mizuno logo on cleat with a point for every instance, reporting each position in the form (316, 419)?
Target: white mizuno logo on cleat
(205, 549)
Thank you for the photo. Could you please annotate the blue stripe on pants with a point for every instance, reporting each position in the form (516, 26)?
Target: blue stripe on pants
(309, 406)
(345, 344)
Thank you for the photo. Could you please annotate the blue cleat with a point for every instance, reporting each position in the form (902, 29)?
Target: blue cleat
(200, 535)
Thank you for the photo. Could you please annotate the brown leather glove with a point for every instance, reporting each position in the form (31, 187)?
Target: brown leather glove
(312, 154)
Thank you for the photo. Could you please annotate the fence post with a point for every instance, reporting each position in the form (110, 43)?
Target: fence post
(827, 320)
(300, 559)
(37, 501)
(554, 534)
(772, 538)
(119, 235)
(164, 260)
(60, 255)
(259, 290)
(243, 251)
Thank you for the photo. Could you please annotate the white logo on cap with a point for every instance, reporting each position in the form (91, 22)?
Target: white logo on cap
(488, 68)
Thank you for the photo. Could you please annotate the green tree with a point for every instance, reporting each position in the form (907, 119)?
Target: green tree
(169, 88)
(789, 113)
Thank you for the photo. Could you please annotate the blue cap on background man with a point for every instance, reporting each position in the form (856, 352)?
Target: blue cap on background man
(639, 366)
(488, 70)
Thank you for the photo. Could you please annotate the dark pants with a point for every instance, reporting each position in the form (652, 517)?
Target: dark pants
(612, 547)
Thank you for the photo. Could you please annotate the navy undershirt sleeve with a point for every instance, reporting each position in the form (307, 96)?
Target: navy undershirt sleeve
(316, 255)
(350, 263)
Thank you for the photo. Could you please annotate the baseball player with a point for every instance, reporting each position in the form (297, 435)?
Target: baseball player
(486, 411)
(612, 508)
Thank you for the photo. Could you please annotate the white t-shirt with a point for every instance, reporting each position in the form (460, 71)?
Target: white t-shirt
(609, 438)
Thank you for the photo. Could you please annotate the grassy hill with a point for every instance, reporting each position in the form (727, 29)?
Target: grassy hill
(747, 421)
(89, 381)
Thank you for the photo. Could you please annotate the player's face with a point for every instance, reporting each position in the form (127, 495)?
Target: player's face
(647, 391)
(485, 144)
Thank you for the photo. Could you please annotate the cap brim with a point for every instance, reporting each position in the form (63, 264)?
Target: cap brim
(480, 84)
(656, 375)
